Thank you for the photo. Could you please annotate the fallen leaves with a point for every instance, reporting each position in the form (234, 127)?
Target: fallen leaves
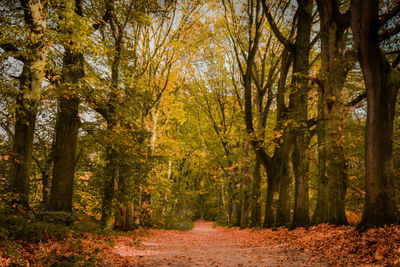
(340, 245)
(324, 245)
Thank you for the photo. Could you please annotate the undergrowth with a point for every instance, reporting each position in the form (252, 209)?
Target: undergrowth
(55, 239)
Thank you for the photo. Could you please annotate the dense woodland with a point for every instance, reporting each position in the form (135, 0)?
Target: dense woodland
(250, 113)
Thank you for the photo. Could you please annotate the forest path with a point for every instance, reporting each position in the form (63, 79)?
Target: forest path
(207, 246)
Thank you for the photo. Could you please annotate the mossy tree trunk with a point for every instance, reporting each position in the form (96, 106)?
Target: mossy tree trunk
(298, 109)
(110, 175)
(332, 183)
(67, 127)
(297, 132)
(28, 96)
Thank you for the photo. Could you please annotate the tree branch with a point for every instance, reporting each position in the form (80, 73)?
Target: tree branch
(107, 16)
(275, 28)
(388, 33)
(394, 52)
(389, 15)
(356, 100)
(7, 47)
(314, 79)
(345, 20)
(396, 61)
(356, 189)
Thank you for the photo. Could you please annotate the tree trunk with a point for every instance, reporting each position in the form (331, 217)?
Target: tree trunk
(230, 200)
(25, 119)
(298, 112)
(301, 188)
(27, 99)
(239, 203)
(235, 199)
(244, 222)
(271, 189)
(285, 183)
(279, 168)
(125, 220)
(45, 189)
(382, 83)
(255, 207)
(46, 170)
(110, 174)
(272, 186)
(108, 111)
(67, 127)
(332, 183)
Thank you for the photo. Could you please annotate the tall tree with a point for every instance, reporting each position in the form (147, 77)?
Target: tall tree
(77, 30)
(30, 85)
(382, 82)
(299, 112)
(332, 182)
(298, 104)
(281, 160)
(67, 124)
(109, 111)
(255, 23)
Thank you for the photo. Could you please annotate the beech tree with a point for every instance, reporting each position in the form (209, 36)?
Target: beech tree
(382, 81)
(335, 64)
(298, 105)
(33, 55)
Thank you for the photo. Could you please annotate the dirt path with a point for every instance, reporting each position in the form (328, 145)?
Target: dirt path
(208, 246)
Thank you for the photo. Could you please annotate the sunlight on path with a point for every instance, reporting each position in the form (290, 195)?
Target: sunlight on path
(206, 246)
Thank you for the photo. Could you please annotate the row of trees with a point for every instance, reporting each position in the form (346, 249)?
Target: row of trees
(364, 31)
(135, 112)
(98, 70)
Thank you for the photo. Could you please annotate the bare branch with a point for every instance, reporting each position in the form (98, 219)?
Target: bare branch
(389, 15)
(274, 27)
(356, 100)
(387, 34)
(7, 47)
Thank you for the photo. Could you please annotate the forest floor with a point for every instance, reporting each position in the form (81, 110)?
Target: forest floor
(208, 246)
(205, 245)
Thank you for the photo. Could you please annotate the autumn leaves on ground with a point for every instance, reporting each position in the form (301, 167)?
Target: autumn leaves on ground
(206, 245)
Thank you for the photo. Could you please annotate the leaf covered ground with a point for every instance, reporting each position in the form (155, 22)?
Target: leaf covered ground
(322, 245)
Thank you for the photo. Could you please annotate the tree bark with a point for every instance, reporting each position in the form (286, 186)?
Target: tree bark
(28, 99)
(332, 183)
(110, 174)
(125, 220)
(285, 183)
(298, 112)
(280, 168)
(108, 111)
(382, 83)
(255, 207)
(67, 127)
(272, 186)
(244, 222)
